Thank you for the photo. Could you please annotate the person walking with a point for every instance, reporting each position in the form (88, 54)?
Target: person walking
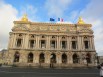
(101, 70)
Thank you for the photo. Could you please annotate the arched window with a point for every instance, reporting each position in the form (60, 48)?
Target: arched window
(88, 58)
(64, 58)
(53, 58)
(41, 58)
(75, 58)
(16, 57)
(30, 57)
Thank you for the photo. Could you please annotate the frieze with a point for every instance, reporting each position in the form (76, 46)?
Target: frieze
(50, 28)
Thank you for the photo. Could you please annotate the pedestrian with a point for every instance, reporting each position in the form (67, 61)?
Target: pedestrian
(101, 70)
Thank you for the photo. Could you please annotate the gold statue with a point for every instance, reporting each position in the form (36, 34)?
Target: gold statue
(80, 21)
(24, 18)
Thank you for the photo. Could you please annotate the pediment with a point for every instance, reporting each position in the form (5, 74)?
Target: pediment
(20, 28)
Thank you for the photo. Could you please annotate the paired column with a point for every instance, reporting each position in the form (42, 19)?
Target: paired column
(93, 43)
(58, 42)
(70, 43)
(79, 42)
(26, 44)
(23, 43)
(37, 41)
(92, 47)
(14, 41)
(48, 42)
(82, 43)
(10, 41)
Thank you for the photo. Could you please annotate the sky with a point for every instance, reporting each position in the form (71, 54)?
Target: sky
(42, 10)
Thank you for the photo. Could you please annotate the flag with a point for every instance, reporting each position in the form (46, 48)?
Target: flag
(52, 19)
(60, 19)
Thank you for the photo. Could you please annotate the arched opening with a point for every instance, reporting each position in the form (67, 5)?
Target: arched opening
(30, 57)
(16, 57)
(53, 58)
(75, 58)
(64, 58)
(41, 58)
(88, 58)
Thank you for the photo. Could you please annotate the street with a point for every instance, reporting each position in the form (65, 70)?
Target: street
(48, 72)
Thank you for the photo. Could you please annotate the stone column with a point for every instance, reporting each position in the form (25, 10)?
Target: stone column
(14, 41)
(93, 43)
(90, 43)
(26, 41)
(37, 41)
(10, 41)
(47, 43)
(59, 43)
(78, 43)
(68, 43)
(23, 43)
(82, 43)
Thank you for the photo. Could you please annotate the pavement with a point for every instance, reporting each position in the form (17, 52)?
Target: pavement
(48, 72)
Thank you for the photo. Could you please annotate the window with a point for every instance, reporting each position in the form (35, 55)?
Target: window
(19, 42)
(74, 44)
(52, 44)
(31, 43)
(43, 45)
(63, 44)
(86, 44)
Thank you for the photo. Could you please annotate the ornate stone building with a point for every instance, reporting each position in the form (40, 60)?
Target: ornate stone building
(51, 44)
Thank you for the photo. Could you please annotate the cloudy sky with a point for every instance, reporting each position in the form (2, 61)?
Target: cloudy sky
(41, 10)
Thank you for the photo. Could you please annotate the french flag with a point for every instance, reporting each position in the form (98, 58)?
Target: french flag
(60, 19)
